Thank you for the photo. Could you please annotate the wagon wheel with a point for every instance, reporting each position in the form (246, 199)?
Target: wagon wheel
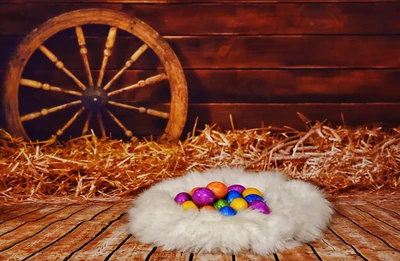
(95, 97)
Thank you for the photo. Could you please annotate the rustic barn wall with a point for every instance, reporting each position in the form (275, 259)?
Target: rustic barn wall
(261, 61)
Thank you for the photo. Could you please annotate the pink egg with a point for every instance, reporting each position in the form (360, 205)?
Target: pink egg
(203, 196)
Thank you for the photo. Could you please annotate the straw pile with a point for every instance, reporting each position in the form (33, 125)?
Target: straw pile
(336, 159)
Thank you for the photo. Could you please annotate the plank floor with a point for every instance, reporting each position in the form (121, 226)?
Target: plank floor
(365, 227)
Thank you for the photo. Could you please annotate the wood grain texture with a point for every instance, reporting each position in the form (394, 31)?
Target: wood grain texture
(245, 116)
(239, 52)
(363, 242)
(84, 233)
(7, 241)
(12, 224)
(247, 86)
(52, 234)
(332, 248)
(194, 1)
(99, 233)
(245, 18)
(253, 115)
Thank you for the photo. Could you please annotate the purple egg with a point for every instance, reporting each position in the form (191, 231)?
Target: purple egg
(203, 196)
(260, 206)
(237, 187)
(182, 197)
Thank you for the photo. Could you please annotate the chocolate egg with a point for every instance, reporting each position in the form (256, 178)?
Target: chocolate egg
(260, 206)
(239, 188)
(203, 196)
(227, 211)
(182, 197)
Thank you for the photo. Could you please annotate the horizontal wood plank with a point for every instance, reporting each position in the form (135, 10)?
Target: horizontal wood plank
(218, 52)
(194, 1)
(247, 86)
(245, 116)
(188, 19)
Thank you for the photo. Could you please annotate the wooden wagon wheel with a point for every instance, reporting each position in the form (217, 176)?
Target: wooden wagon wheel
(95, 97)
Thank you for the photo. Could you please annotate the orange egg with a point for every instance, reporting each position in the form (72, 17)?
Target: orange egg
(193, 190)
(209, 207)
(220, 189)
(188, 205)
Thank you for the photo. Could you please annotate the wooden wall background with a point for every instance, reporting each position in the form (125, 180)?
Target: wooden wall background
(261, 61)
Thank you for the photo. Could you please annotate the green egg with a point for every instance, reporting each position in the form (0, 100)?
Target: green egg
(220, 203)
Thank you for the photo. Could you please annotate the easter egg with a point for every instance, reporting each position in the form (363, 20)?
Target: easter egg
(238, 203)
(260, 206)
(203, 196)
(193, 190)
(237, 187)
(227, 211)
(232, 195)
(208, 207)
(182, 197)
(219, 203)
(189, 205)
(218, 188)
(249, 191)
(252, 197)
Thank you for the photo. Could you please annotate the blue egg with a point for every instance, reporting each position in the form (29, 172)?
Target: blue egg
(252, 197)
(232, 195)
(227, 211)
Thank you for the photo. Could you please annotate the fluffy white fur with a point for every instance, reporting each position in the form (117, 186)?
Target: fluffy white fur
(299, 213)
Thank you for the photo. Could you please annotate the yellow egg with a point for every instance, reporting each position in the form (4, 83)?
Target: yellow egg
(239, 203)
(249, 191)
(188, 205)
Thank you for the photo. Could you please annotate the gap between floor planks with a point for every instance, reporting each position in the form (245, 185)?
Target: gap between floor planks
(364, 227)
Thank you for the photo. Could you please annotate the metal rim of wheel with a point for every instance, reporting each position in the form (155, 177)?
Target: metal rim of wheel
(94, 96)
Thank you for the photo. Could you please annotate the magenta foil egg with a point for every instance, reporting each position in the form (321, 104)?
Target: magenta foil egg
(203, 196)
(239, 188)
(260, 206)
(182, 197)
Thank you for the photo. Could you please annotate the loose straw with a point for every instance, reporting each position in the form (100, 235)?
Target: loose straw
(336, 159)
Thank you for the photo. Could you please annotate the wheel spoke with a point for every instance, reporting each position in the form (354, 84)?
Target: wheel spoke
(84, 51)
(70, 121)
(127, 132)
(140, 84)
(152, 112)
(60, 65)
(87, 122)
(101, 124)
(128, 64)
(112, 34)
(45, 112)
(46, 87)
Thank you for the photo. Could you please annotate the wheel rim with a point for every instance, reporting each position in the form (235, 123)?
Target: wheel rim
(96, 94)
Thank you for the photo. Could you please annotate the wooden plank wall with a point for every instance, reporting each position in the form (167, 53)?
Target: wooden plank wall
(261, 61)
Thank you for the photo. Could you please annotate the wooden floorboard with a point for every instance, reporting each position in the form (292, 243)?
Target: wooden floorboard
(364, 227)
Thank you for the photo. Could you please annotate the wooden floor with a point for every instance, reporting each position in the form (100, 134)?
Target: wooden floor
(364, 228)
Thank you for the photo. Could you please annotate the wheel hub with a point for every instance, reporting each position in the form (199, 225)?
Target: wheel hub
(94, 98)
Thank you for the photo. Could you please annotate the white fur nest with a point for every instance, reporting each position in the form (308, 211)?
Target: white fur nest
(299, 214)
